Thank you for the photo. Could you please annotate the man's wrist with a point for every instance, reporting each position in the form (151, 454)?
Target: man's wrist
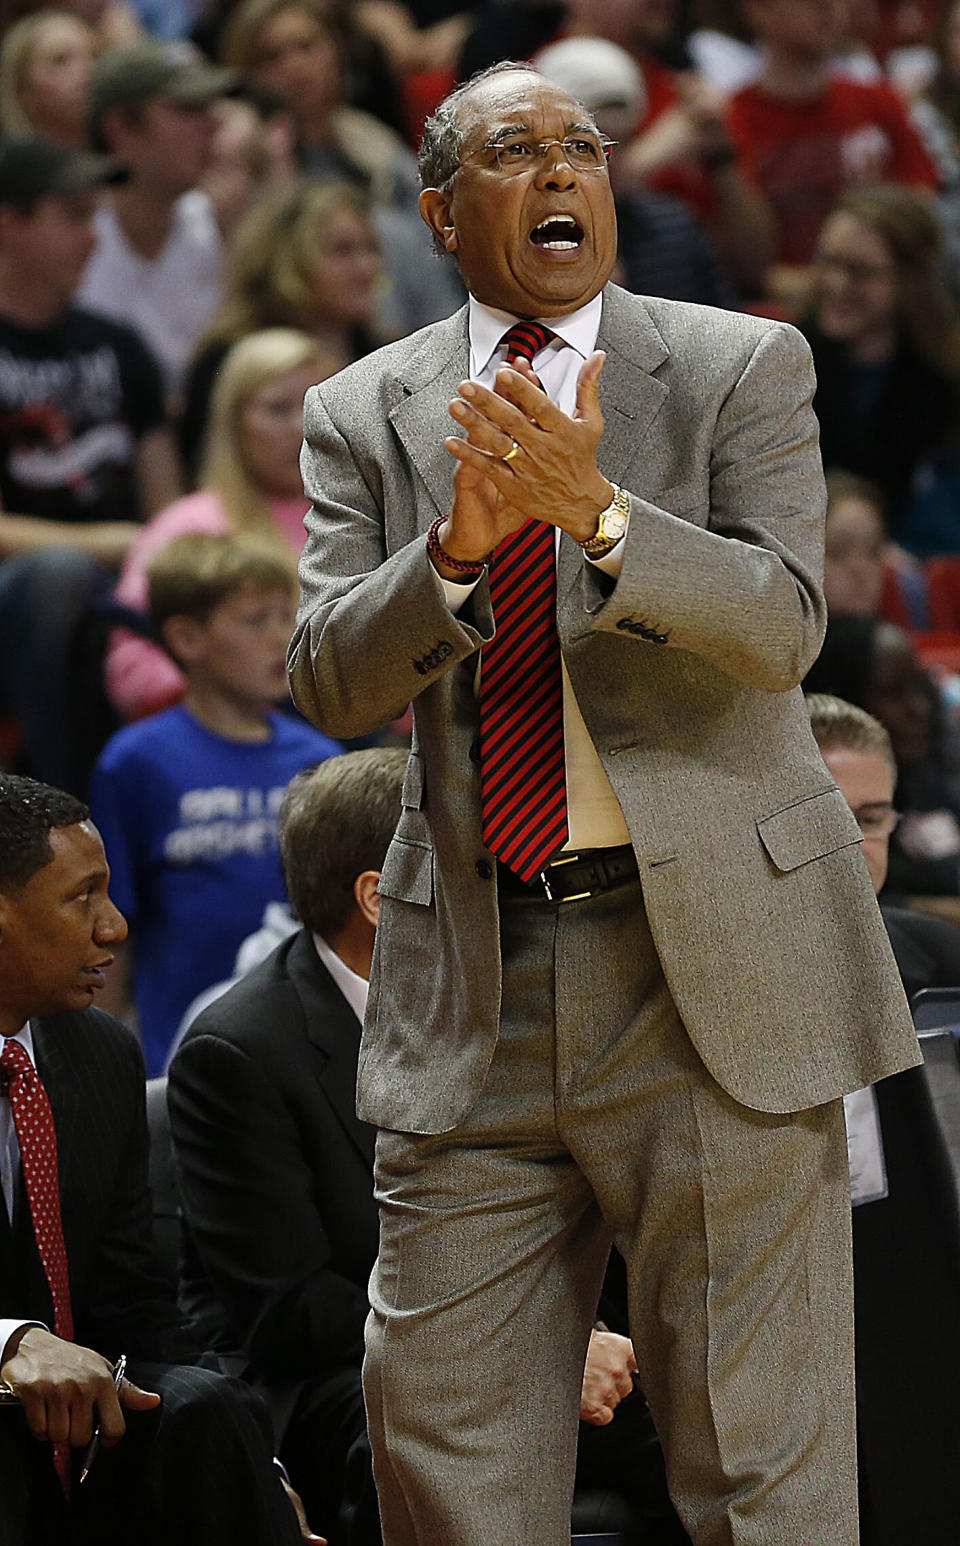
(611, 525)
(596, 502)
(12, 1333)
(448, 562)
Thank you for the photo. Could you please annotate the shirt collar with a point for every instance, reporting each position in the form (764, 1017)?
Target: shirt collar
(25, 1037)
(353, 987)
(487, 326)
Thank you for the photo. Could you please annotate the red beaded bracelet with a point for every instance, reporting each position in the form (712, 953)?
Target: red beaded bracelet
(473, 566)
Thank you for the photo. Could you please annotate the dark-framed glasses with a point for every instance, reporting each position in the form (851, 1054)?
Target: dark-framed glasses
(586, 153)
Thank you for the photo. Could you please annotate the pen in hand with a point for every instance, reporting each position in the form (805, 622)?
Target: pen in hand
(119, 1370)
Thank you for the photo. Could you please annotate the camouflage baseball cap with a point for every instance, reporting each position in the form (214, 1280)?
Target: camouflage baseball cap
(123, 76)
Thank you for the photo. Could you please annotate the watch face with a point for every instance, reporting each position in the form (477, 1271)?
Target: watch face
(613, 526)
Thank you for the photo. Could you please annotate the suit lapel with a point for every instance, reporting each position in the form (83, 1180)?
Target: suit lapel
(58, 1045)
(630, 397)
(51, 1046)
(429, 379)
(333, 1028)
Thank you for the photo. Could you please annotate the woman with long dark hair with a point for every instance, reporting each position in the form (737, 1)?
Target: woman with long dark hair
(885, 335)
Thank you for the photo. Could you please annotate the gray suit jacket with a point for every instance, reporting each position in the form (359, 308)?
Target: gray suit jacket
(686, 671)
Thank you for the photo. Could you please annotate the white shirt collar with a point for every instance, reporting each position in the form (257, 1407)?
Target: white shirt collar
(25, 1037)
(487, 326)
(353, 987)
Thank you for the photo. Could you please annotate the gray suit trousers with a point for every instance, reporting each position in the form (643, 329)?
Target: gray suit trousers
(599, 1121)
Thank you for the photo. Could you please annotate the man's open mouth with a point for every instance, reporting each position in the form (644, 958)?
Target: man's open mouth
(558, 233)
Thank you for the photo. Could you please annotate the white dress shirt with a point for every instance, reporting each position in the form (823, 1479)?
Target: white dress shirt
(9, 1165)
(594, 817)
(353, 987)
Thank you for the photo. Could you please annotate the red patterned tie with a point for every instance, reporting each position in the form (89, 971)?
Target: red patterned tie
(37, 1138)
(523, 787)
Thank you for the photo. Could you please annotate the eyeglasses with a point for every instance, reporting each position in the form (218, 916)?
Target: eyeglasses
(878, 820)
(585, 153)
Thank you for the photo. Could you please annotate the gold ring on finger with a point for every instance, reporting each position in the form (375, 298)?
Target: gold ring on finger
(509, 455)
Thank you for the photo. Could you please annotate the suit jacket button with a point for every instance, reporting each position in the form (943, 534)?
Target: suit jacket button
(484, 869)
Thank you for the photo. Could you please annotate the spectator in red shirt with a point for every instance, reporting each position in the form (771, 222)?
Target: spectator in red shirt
(681, 146)
(805, 136)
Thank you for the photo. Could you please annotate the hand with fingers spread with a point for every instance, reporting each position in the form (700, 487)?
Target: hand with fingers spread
(65, 1389)
(523, 457)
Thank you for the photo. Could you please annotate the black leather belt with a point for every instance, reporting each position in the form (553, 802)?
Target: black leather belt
(575, 876)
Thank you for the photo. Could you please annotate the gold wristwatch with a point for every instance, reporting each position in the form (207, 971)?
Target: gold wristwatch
(611, 525)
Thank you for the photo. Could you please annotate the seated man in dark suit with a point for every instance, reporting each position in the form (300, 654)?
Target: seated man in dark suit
(857, 751)
(184, 1454)
(274, 1165)
(276, 1170)
(905, 1276)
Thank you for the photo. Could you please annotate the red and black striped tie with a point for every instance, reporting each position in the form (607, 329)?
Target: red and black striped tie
(523, 786)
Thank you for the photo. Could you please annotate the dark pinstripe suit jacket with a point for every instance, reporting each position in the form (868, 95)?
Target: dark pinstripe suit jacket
(93, 1072)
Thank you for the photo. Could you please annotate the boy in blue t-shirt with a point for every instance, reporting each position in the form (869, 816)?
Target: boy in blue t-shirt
(186, 801)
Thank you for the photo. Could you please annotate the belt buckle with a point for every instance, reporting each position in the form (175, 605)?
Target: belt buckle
(544, 878)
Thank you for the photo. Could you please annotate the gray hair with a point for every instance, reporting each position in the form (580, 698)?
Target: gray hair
(336, 821)
(442, 144)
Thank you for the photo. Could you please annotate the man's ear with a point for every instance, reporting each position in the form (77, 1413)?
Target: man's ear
(366, 895)
(435, 209)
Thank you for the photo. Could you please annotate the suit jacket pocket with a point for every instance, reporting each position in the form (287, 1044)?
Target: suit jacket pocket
(407, 872)
(808, 830)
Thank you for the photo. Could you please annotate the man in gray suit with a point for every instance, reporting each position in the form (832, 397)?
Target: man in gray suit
(629, 955)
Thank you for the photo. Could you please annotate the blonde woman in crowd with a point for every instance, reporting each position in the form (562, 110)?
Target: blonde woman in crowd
(115, 22)
(250, 483)
(305, 257)
(45, 65)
